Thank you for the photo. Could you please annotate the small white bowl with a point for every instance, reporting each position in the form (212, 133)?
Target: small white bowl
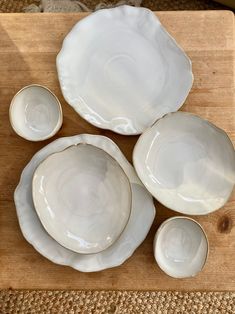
(186, 163)
(35, 113)
(181, 247)
(82, 197)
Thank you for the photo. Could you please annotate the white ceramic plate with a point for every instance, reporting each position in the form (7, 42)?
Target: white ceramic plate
(121, 70)
(142, 212)
(187, 163)
(82, 197)
(181, 247)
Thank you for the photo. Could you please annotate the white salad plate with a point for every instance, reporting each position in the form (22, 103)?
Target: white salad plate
(121, 70)
(187, 163)
(139, 223)
(181, 247)
(82, 197)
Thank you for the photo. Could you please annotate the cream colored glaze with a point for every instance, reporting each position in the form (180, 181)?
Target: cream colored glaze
(82, 197)
(121, 70)
(187, 163)
(135, 232)
(180, 247)
(35, 113)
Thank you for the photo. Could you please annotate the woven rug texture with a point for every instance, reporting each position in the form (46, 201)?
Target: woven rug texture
(73, 5)
(116, 302)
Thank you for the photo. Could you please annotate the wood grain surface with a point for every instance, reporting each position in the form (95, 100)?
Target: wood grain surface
(28, 47)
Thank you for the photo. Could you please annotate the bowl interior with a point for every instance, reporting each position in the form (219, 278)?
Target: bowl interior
(82, 197)
(181, 247)
(35, 113)
(187, 163)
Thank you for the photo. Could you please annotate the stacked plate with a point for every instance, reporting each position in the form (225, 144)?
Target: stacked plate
(81, 204)
(79, 201)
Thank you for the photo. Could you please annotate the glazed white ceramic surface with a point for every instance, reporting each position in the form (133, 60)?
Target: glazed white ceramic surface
(35, 113)
(187, 163)
(82, 197)
(180, 247)
(121, 70)
(139, 223)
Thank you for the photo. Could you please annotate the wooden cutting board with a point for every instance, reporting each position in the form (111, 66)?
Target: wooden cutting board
(28, 47)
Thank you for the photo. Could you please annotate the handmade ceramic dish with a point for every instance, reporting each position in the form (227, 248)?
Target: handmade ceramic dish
(139, 223)
(82, 197)
(121, 70)
(187, 163)
(180, 247)
(35, 113)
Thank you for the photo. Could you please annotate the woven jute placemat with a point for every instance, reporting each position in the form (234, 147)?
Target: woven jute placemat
(13, 6)
(116, 302)
(156, 5)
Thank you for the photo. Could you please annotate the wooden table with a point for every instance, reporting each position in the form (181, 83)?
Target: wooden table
(28, 47)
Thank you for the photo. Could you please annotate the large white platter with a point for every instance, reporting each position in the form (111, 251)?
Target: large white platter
(121, 70)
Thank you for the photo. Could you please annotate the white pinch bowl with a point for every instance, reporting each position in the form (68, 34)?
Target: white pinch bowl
(139, 223)
(35, 113)
(82, 197)
(187, 163)
(181, 247)
(121, 70)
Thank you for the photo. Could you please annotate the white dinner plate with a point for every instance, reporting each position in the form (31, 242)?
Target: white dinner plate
(121, 70)
(140, 221)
